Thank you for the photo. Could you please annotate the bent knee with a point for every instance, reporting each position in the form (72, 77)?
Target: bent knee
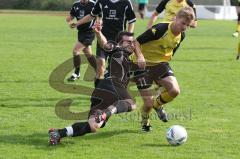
(174, 92)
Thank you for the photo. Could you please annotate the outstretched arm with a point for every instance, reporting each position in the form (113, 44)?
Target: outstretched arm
(152, 19)
(100, 37)
(84, 20)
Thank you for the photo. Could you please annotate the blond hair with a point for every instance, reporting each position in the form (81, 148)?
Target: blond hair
(186, 13)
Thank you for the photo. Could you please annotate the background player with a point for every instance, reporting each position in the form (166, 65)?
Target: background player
(85, 36)
(171, 7)
(158, 44)
(235, 34)
(115, 15)
(142, 4)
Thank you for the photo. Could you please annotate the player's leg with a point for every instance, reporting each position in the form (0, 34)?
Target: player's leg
(76, 61)
(77, 129)
(235, 34)
(87, 39)
(101, 57)
(144, 82)
(170, 92)
(141, 10)
(238, 55)
(120, 106)
(90, 57)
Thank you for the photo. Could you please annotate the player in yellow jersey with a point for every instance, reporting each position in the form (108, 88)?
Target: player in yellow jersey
(235, 34)
(171, 7)
(158, 44)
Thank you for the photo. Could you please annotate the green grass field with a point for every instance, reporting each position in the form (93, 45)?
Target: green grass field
(32, 46)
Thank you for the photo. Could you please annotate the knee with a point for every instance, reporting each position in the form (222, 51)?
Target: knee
(174, 92)
(94, 126)
(87, 52)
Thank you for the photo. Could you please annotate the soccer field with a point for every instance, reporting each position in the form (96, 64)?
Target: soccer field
(32, 46)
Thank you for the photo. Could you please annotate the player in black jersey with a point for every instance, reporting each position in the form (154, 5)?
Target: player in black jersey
(115, 15)
(85, 36)
(110, 96)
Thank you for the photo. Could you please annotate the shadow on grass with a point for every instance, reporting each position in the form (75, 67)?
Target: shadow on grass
(156, 145)
(37, 102)
(40, 140)
(107, 134)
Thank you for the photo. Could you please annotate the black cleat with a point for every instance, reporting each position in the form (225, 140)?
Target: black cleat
(54, 136)
(146, 128)
(73, 77)
(162, 115)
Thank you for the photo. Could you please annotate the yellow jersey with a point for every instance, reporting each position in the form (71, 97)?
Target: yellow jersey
(171, 8)
(158, 44)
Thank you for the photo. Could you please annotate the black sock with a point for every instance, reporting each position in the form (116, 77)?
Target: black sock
(77, 63)
(81, 128)
(62, 132)
(92, 62)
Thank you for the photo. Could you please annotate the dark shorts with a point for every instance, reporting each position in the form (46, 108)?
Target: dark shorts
(106, 94)
(141, 6)
(144, 79)
(86, 38)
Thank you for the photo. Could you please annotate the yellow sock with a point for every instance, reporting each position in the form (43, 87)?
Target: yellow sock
(163, 98)
(238, 28)
(145, 116)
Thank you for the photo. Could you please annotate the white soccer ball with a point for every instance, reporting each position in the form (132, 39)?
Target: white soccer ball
(176, 135)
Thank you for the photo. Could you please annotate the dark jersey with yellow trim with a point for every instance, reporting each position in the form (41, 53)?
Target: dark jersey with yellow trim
(172, 7)
(158, 44)
(80, 10)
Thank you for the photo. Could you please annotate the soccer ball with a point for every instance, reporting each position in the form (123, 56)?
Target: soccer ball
(176, 135)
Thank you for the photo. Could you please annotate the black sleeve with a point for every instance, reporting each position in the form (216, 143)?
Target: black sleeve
(130, 15)
(190, 3)
(96, 11)
(73, 12)
(154, 33)
(161, 6)
(182, 38)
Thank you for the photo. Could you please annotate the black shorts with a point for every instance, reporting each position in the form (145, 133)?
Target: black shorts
(106, 94)
(141, 6)
(86, 38)
(144, 79)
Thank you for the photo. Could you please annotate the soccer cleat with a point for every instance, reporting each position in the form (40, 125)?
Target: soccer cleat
(235, 34)
(54, 136)
(146, 128)
(162, 115)
(73, 77)
(100, 116)
(238, 56)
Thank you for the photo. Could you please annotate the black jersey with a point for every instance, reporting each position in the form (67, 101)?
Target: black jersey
(119, 67)
(80, 10)
(115, 13)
